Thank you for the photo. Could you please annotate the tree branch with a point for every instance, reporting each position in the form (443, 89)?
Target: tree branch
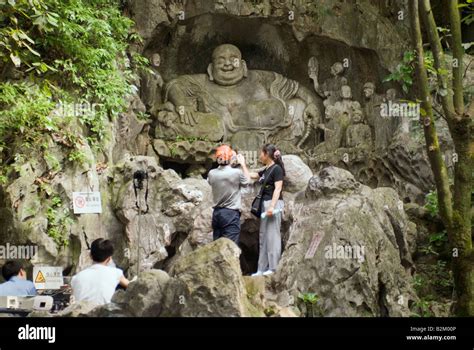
(438, 56)
(458, 52)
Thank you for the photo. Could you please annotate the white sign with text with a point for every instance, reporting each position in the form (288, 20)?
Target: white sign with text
(87, 202)
(48, 277)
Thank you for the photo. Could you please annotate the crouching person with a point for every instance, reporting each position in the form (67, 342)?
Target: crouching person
(97, 283)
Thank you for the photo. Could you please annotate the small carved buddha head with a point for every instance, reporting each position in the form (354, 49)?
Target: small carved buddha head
(337, 68)
(369, 89)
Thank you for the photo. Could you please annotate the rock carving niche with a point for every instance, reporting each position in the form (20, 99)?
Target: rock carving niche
(246, 81)
(238, 105)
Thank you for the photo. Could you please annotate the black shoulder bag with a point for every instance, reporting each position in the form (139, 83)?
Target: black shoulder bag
(258, 201)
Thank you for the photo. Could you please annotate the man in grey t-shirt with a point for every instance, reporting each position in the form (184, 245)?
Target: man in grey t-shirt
(226, 182)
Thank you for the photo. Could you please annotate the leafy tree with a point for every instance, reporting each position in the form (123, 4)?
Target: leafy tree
(454, 203)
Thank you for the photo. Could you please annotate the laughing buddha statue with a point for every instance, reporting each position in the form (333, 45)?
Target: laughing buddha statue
(234, 104)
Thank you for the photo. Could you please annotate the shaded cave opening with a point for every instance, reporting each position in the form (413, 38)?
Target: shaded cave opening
(176, 240)
(180, 168)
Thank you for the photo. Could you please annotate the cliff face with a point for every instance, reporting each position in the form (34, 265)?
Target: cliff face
(174, 224)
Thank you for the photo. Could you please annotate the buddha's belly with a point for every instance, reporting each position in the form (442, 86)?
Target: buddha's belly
(267, 113)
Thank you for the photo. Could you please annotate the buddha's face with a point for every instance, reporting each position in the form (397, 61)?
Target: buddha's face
(227, 67)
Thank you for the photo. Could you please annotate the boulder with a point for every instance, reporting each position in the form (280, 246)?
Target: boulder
(208, 282)
(143, 297)
(168, 208)
(348, 245)
(297, 173)
(78, 309)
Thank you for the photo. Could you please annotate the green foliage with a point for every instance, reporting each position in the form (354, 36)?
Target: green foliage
(28, 116)
(308, 298)
(422, 308)
(438, 239)
(77, 156)
(431, 203)
(436, 245)
(55, 50)
(434, 278)
(143, 116)
(444, 276)
(58, 221)
(309, 304)
(404, 72)
(467, 8)
(55, 54)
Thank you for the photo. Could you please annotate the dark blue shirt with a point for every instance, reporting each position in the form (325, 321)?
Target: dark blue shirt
(18, 287)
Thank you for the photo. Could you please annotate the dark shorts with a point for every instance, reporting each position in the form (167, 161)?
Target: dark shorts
(226, 223)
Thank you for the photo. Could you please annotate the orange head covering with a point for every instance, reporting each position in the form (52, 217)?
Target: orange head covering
(224, 154)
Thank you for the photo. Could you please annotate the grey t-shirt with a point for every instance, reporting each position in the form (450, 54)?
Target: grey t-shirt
(226, 182)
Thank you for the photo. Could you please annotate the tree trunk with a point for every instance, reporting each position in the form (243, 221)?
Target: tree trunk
(427, 119)
(463, 264)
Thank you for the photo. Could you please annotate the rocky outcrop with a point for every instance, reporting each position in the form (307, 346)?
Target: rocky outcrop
(27, 211)
(208, 282)
(351, 24)
(78, 309)
(205, 283)
(143, 297)
(36, 205)
(168, 205)
(297, 174)
(348, 244)
(404, 165)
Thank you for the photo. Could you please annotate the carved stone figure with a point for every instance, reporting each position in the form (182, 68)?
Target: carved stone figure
(313, 73)
(347, 104)
(330, 90)
(235, 104)
(152, 83)
(143, 141)
(358, 134)
(386, 124)
(130, 128)
(338, 118)
(332, 86)
(372, 103)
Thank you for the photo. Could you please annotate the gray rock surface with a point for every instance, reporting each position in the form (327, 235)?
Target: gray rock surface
(361, 265)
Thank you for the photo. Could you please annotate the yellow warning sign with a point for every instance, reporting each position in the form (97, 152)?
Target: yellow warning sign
(40, 278)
